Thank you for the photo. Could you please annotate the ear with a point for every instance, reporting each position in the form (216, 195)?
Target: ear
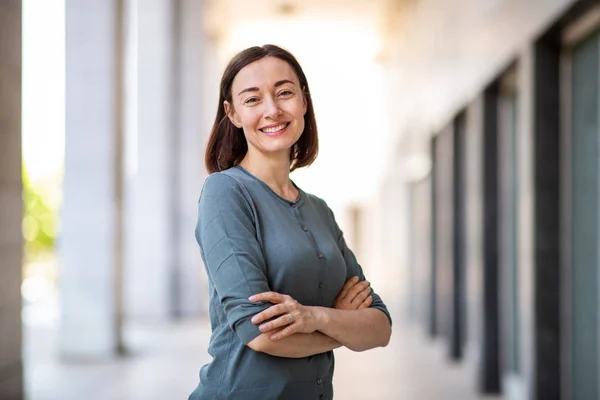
(231, 114)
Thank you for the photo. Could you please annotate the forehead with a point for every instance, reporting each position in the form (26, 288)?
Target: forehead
(263, 74)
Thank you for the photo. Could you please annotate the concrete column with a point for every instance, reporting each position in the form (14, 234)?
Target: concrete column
(198, 90)
(526, 209)
(164, 274)
(445, 222)
(151, 188)
(90, 245)
(474, 227)
(489, 368)
(398, 273)
(420, 248)
(548, 323)
(11, 208)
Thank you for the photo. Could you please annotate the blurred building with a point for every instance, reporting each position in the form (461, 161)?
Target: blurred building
(484, 219)
(505, 262)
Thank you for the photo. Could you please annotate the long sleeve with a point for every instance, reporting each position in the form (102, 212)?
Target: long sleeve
(254, 241)
(353, 267)
(231, 253)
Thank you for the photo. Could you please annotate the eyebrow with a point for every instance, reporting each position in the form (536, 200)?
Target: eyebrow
(255, 89)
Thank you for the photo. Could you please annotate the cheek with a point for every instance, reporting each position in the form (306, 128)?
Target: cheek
(250, 120)
(297, 109)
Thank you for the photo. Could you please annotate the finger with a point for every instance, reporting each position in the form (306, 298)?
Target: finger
(367, 303)
(289, 331)
(361, 296)
(269, 313)
(272, 297)
(280, 322)
(359, 287)
(347, 286)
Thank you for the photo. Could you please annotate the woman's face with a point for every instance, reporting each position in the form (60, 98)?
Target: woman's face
(268, 103)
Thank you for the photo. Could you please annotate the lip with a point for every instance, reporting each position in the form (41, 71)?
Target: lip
(274, 125)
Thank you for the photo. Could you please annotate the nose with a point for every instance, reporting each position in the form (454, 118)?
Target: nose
(273, 111)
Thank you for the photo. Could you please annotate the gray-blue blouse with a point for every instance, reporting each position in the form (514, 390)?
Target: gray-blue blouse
(252, 241)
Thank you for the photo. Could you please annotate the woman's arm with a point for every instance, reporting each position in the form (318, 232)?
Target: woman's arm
(358, 330)
(296, 346)
(233, 258)
(353, 296)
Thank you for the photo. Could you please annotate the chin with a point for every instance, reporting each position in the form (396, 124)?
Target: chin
(278, 144)
(278, 149)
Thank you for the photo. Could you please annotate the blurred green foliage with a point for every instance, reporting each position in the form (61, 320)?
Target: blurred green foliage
(39, 221)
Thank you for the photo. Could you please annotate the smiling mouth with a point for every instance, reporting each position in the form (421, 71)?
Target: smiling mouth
(275, 129)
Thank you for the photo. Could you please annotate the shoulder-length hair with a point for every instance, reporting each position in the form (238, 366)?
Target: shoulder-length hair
(227, 145)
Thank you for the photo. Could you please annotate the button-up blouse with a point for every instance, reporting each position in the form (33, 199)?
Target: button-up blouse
(253, 241)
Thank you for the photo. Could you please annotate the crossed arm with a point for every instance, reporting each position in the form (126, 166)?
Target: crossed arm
(314, 330)
(298, 345)
(234, 259)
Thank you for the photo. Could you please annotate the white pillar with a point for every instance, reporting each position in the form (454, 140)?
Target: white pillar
(198, 91)
(150, 189)
(164, 274)
(11, 207)
(90, 245)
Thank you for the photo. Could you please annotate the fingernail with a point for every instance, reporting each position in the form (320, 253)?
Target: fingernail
(251, 298)
(263, 327)
(355, 278)
(274, 337)
(254, 319)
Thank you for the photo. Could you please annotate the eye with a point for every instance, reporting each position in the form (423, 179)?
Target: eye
(286, 93)
(251, 100)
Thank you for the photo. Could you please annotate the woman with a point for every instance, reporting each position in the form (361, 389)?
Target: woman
(285, 290)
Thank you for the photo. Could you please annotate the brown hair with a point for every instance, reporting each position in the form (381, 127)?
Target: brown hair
(227, 145)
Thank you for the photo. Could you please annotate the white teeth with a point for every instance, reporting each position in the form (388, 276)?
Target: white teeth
(275, 128)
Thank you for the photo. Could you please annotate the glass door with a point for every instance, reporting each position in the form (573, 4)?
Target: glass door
(509, 235)
(584, 217)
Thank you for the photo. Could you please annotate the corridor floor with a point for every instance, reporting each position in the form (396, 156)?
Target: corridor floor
(165, 361)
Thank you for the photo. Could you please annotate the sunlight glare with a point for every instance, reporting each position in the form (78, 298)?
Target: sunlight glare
(43, 88)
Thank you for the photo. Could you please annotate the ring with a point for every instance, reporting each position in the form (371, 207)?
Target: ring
(291, 319)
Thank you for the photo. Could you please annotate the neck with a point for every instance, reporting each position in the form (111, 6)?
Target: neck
(274, 171)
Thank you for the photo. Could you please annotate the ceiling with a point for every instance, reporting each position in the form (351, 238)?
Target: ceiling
(221, 15)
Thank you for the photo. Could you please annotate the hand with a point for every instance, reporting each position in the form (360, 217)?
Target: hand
(354, 295)
(295, 318)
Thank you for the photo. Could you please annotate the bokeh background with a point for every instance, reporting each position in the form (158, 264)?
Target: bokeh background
(459, 150)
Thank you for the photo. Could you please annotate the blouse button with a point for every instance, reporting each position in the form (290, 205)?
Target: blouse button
(321, 284)
(305, 229)
(321, 255)
(319, 381)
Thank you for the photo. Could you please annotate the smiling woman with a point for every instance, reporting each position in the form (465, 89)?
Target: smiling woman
(248, 90)
(285, 290)
(272, 113)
